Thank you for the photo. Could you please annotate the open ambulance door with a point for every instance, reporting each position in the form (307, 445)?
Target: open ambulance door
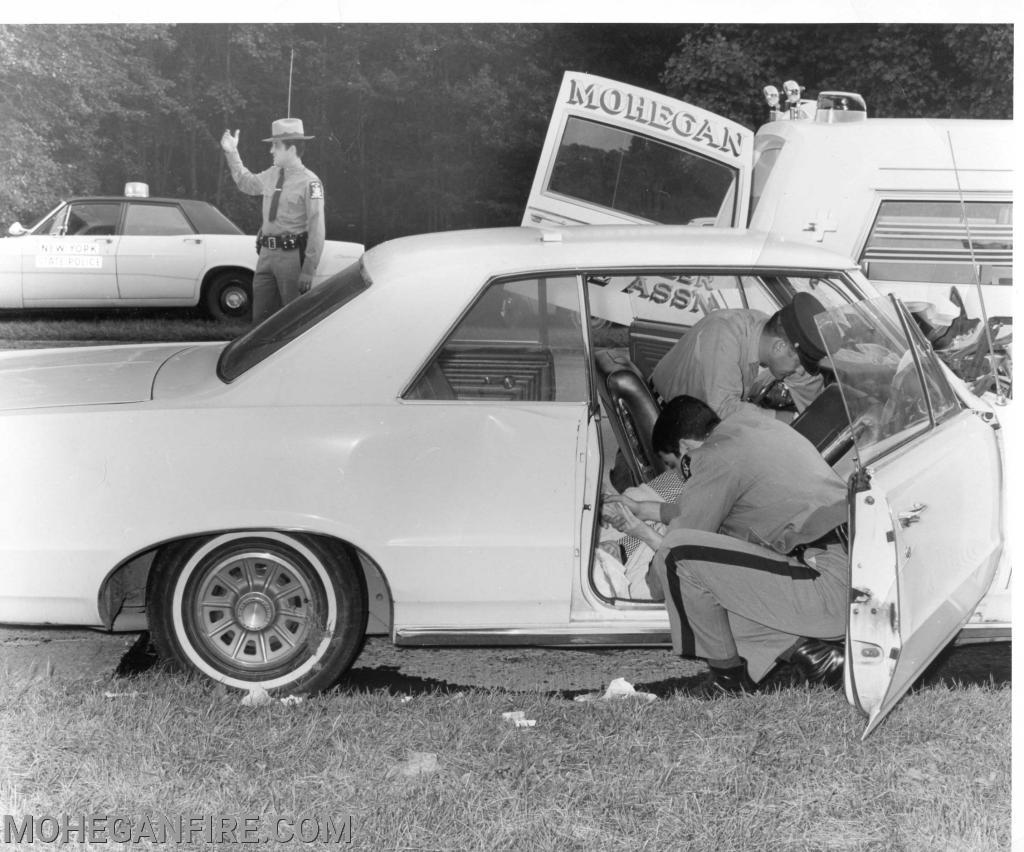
(618, 154)
(925, 502)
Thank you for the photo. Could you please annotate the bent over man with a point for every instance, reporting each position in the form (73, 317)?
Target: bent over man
(754, 559)
(718, 360)
(291, 239)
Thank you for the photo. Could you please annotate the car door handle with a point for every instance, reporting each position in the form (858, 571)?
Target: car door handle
(196, 240)
(103, 239)
(912, 515)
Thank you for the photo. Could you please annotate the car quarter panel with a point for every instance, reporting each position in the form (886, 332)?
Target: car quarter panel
(469, 512)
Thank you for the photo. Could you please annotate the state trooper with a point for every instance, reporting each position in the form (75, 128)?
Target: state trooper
(291, 239)
(719, 359)
(754, 561)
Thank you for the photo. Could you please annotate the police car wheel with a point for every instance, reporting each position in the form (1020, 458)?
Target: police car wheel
(229, 296)
(258, 609)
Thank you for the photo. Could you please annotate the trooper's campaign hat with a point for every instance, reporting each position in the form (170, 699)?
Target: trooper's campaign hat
(287, 128)
(802, 331)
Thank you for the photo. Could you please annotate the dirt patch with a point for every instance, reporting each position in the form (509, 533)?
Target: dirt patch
(91, 655)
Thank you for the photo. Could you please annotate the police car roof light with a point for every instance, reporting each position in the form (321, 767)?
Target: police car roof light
(136, 189)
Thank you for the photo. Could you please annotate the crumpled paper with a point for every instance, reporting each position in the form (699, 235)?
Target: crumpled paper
(518, 718)
(618, 689)
(258, 697)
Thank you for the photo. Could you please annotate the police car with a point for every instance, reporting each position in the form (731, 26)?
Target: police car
(137, 251)
(429, 471)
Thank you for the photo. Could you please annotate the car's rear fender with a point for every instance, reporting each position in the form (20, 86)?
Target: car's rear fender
(122, 595)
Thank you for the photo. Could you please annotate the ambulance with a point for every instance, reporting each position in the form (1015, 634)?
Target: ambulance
(923, 205)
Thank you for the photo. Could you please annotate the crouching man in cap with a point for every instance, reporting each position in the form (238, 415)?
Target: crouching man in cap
(719, 359)
(754, 560)
(291, 240)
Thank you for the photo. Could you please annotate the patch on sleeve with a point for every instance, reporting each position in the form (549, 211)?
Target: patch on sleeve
(684, 468)
(316, 189)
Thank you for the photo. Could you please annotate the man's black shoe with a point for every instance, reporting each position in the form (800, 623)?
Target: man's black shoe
(819, 661)
(718, 683)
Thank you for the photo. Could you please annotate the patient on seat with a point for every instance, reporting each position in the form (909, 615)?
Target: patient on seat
(621, 561)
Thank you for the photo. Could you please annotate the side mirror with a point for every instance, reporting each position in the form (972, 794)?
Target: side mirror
(17, 230)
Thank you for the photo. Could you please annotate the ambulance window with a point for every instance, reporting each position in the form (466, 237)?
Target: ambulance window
(637, 175)
(928, 241)
(155, 220)
(92, 219)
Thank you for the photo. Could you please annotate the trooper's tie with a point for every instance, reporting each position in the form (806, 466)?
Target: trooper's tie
(277, 196)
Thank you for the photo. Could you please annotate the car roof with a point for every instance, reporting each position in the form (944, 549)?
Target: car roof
(506, 251)
(910, 143)
(135, 200)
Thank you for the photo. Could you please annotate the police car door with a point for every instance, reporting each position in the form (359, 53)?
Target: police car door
(161, 257)
(925, 501)
(70, 260)
(615, 153)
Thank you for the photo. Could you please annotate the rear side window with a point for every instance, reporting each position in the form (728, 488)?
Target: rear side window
(521, 341)
(635, 174)
(929, 241)
(155, 220)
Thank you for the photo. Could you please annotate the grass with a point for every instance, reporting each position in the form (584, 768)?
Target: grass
(783, 771)
(40, 329)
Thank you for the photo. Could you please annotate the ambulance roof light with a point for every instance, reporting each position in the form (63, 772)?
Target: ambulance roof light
(830, 107)
(136, 189)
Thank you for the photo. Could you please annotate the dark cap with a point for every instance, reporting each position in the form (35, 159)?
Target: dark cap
(798, 323)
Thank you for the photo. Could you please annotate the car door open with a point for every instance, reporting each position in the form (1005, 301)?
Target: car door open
(922, 554)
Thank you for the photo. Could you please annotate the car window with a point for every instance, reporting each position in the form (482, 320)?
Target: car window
(155, 220)
(521, 341)
(88, 218)
(292, 320)
(891, 383)
(929, 241)
(613, 168)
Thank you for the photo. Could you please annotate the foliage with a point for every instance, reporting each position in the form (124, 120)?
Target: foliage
(418, 126)
(933, 70)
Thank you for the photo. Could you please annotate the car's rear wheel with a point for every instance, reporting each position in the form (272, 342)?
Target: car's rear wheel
(229, 296)
(268, 609)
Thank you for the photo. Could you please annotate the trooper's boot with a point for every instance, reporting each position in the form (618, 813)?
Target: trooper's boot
(719, 682)
(819, 661)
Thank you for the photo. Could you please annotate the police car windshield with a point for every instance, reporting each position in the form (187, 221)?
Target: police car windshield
(292, 320)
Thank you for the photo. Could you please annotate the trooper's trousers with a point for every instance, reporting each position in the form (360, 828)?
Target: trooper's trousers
(726, 597)
(276, 281)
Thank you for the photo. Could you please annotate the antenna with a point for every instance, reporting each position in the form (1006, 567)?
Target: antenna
(977, 277)
(291, 64)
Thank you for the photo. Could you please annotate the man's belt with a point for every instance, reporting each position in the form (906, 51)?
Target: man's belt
(837, 535)
(286, 242)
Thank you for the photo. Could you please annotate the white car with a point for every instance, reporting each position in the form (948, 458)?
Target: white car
(388, 454)
(137, 251)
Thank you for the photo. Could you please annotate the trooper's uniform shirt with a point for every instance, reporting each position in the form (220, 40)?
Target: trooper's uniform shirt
(756, 489)
(300, 207)
(717, 362)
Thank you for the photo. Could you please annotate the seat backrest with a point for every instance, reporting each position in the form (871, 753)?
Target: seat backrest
(632, 411)
(825, 424)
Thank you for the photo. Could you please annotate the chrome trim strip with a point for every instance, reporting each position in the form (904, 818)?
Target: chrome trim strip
(484, 637)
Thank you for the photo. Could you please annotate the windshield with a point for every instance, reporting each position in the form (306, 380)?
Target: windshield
(292, 320)
(643, 177)
(891, 384)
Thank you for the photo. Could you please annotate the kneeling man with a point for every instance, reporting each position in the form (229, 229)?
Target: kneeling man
(754, 560)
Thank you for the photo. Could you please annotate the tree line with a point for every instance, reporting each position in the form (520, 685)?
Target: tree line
(418, 127)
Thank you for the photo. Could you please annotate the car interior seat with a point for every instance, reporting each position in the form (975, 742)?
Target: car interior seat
(632, 412)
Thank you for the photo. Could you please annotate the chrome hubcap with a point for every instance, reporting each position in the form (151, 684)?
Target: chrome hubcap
(255, 610)
(234, 299)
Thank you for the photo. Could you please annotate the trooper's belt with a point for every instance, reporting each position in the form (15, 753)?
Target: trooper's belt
(286, 242)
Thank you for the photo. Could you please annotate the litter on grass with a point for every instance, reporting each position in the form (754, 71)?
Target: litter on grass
(617, 690)
(518, 718)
